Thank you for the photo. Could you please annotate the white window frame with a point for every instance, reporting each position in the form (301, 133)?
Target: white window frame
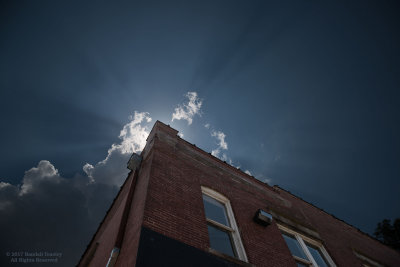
(234, 230)
(302, 239)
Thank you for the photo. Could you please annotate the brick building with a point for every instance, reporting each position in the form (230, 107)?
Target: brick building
(180, 206)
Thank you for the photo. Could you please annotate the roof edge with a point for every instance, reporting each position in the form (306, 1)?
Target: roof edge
(160, 125)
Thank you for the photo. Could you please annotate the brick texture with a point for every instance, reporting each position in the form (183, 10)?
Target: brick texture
(168, 200)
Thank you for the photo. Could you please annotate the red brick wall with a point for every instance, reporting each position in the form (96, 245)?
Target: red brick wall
(107, 232)
(174, 208)
(168, 200)
(340, 238)
(129, 247)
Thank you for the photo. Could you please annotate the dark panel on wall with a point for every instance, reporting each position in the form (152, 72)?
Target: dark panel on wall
(158, 250)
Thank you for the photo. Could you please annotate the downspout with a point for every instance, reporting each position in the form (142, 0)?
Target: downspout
(134, 165)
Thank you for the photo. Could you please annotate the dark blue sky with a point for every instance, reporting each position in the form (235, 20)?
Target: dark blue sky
(306, 92)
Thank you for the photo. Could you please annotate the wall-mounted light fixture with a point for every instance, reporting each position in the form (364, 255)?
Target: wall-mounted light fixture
(262, 217)
(134, 162)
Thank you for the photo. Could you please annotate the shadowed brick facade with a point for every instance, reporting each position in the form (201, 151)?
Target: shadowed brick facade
(158, 217)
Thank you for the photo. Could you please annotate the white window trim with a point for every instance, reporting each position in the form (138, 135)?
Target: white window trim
(301, 238)
(237, 242)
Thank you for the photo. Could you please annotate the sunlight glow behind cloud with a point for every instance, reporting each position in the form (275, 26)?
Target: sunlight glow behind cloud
(112, 170)
(85, 197)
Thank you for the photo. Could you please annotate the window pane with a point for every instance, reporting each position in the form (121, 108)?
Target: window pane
(299, 264)
(215, 210)
(317, 255)
(220, 240)
(294, 246)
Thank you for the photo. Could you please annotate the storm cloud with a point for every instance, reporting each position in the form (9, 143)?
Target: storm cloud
(49, 213)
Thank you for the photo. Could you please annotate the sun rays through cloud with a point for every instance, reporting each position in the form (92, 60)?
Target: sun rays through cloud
(92, 190)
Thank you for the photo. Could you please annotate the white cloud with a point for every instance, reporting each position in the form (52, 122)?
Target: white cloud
(267, 180)
(77, 204)
(45, 171)
(215, 152)
(112, 170)
(180, 135)
(47, 208)
(222, 145)
(248, 172)
(188, 110)
(133, 134)
(3, 185)
(221, 138)
(223, 157)
(263, 178)
(88, 169)
(5, 203)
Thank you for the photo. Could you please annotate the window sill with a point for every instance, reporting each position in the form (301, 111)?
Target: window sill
(229, 258)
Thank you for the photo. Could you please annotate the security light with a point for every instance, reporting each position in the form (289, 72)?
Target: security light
(134, 162)
(262, 217)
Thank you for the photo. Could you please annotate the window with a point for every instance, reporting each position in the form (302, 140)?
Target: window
(222, 229)
(306, 251)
